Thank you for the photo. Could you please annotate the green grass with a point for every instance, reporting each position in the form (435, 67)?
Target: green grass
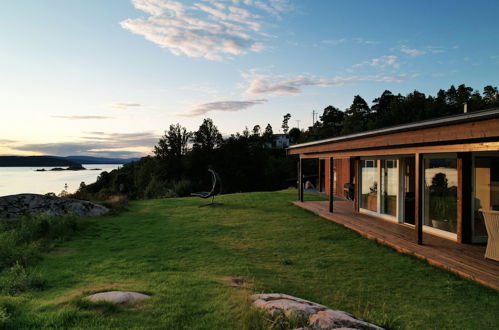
(180, 253)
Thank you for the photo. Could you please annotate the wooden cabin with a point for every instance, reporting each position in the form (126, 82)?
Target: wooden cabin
(433, 176)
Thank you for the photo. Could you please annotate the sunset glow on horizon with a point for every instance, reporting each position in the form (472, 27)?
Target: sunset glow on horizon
(107, 78)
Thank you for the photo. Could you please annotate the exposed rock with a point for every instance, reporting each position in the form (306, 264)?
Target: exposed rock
(331, 319)
(14, 206)
(118, 297)
(317, 317)
(237, 282)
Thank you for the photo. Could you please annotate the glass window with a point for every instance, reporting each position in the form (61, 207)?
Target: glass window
(389, 187)
(486, 191)
(369, 185)
(440, 199)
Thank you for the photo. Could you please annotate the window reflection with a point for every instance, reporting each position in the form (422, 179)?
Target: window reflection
(486, 191)
(441, 194)
(369, 186)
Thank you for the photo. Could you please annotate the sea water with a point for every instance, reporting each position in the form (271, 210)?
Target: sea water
(17, 180)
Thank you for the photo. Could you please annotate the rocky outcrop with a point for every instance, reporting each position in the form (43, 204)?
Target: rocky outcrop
(316, 316)
(14, 206)
(118, 297)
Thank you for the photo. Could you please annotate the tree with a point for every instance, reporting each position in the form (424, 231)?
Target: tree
(332, 122)
(173, 144)
(490, 96)
(207, 137)
(357, 116)
(285, 126)
(294, 134)
(256, 130)
(268, 134)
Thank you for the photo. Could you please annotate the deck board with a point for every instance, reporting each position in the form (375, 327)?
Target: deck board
(465, 260)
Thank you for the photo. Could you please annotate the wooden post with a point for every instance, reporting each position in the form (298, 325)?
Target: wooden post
(320, 176)
(356, 182)
(464, 189)
(300, 179)
(331, 183)
(419, 190)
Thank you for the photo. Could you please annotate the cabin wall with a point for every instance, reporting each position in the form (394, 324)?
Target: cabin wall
(342, 168)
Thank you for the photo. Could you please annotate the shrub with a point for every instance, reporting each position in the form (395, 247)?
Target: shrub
(156, 188)
(182, 187)
(116, 203)
(19, 279)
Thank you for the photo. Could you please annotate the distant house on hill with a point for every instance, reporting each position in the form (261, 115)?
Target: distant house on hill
(279, 141)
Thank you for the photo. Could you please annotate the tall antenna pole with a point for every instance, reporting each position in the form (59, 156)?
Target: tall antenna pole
(298, 123)
(313, 117)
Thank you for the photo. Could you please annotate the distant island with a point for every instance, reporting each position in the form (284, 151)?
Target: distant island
(69, 162)
(76, 167)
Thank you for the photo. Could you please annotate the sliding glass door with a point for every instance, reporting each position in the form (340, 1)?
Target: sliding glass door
(440, 193)
(369, 186)
(389, 187)
(379, 187)
(486, 192)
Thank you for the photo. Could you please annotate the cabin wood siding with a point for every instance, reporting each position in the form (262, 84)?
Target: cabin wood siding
(475, 132)
(342, 168)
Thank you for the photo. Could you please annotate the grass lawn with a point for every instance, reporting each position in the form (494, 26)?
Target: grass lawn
(180, 253)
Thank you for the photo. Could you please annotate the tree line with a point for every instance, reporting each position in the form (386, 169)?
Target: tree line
(394, 109)
(249, 161)
(245, 161)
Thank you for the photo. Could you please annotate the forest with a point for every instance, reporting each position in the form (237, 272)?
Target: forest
(250, 161)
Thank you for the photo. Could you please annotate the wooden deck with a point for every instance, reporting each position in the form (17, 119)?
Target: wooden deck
(463, 259)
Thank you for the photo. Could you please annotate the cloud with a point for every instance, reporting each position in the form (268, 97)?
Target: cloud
(367, 42)
(381, 62)
(77, 117)
(336, 42)
(123, 106)
(210, 29)
(281, 85)
(273, 7)
(412, 51)
(98, 144)
(333, 42)
(435, 49)
(7, 141)
(225, 106)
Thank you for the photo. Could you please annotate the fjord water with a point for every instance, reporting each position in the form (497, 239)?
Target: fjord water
(17, 180)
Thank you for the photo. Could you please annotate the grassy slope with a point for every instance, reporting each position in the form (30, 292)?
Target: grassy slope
(179, 253)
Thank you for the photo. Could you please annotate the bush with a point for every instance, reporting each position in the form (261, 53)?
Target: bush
(20, 241)
(12, 251)
(116, 203)
(182, 188)
(156, 188)
(19, 279)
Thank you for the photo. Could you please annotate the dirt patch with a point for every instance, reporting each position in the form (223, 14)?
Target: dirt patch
(238, 282)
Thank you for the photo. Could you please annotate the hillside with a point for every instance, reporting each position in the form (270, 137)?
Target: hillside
(47, 161)
(181, 255)
(99, 160)
(33, 161)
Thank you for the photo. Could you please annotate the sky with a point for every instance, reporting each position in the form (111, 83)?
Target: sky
(107, 78)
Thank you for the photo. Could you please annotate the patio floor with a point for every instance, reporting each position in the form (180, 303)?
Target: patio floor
(464, 259)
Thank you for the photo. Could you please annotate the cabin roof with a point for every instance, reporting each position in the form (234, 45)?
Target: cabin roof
(436, 122)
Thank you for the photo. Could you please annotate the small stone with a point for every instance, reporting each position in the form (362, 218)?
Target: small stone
(118, 297)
